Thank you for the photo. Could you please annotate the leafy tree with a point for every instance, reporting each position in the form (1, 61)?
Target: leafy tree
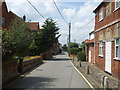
(73, 48)
(83, 46)
(64, 47)
(81, 56)
(17, 40)
(47, 36)
(73, 44)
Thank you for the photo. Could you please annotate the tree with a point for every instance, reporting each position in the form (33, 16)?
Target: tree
(16, 41)
(73, 48)
(47, 37)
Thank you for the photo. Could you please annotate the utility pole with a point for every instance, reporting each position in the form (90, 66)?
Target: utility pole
(69, 31)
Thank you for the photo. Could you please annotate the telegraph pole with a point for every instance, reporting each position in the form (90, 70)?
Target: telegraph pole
(69, 31)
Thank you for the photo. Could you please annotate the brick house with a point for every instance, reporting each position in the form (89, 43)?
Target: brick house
(33, 25)
(90, 48)
(107, 37)
(5, 16)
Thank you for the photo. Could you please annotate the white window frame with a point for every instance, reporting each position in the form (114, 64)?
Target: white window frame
(101, 14)
(117, 45)
(117, 2)
(101, 48)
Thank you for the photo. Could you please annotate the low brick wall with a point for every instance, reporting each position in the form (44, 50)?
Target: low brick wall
(26, 65)
(9, 70)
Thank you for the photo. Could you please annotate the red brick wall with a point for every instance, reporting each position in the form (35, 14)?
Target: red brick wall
(9, 70)
(92, 52)
(100, 61)
(106, 20)
(5, 14)
(0, 16)
(86, 50)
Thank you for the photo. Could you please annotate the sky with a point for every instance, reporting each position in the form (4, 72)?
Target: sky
(78, 12)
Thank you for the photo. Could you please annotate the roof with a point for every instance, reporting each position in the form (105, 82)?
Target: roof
(33, 25)
(98, 6)
(89, 41)
(91, 33)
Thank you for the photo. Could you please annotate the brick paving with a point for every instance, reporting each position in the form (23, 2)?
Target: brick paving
(94, 77)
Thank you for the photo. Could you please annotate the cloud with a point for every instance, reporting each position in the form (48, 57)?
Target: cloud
(78, 15)
(80, 18)
(24, 8)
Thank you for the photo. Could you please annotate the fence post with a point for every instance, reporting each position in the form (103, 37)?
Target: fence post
(87, 69)
(80, 63)
(102, 81)
(106, 84)
(73, 59)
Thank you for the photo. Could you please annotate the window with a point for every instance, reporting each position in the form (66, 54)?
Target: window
(117, 4)
(101, 14)
(3, 21)
(117, 48)
(100, 48)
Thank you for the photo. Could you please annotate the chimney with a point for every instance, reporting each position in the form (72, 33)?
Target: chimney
(24, 18)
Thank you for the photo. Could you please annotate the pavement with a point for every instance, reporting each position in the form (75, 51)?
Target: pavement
(55, 73)
(94, 76)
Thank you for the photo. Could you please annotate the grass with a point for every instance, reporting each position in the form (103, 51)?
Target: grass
(31, 57)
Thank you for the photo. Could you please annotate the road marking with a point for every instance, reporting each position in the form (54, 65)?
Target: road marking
(82, 76)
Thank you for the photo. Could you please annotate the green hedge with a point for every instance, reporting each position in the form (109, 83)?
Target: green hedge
(81, 56)
(73, 51)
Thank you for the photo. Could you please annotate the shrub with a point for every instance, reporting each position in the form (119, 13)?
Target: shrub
(81, 56)
(73, 51)
(73, 45)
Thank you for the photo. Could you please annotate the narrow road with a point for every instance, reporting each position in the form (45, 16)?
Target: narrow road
(55, 73)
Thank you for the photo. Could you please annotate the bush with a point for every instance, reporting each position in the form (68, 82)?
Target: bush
(73, 45)
(73, 51)
(81, 56)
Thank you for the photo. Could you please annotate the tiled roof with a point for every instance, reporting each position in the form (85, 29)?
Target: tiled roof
(33, 25)
(89, 41)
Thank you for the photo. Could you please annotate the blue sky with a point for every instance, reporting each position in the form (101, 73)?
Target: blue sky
(78, 13)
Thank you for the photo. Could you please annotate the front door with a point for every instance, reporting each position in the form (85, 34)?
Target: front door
(89, 54)
(108, 57)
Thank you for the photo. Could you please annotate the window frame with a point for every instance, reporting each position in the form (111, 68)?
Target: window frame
(101, 48)
(101, 14)
(117, 2)
(118, 45)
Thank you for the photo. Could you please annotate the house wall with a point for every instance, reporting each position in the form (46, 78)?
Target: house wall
(100, 61)
(115, 14)
(5, 14)
(91, 46)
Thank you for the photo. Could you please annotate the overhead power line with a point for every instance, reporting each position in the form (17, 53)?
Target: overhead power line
(87, 23)
(59, 11)
(36, 9)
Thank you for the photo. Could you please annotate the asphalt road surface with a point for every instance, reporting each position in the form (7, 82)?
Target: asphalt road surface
(55, 73)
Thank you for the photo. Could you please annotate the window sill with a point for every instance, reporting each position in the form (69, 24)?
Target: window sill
(116, 59)
(101, 20)
(100, 56)
(116, 9)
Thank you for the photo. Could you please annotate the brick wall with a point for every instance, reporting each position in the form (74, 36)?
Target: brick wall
(92, 52)
(100, 61)
(114, 16)
(26, 65)
(9, 70)
(5, 14)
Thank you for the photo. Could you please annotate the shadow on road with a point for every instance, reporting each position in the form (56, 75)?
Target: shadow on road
(32, 82)
(60, 57)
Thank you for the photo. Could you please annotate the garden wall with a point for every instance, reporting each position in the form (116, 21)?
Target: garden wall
(9, 70)
(26, 65)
